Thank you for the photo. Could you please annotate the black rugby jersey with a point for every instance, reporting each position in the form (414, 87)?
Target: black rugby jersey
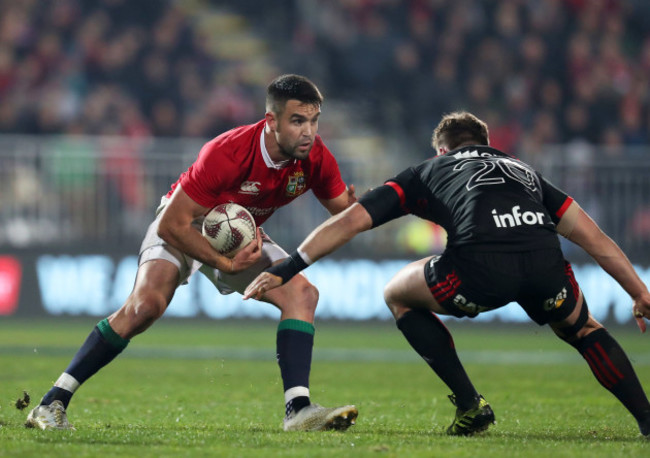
(483, 198)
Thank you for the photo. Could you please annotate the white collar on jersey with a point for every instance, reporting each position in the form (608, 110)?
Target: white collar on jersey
(270, 163)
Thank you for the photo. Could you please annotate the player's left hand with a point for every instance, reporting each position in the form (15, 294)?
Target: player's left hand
(250, 254)
(261, 284)
(641, 310)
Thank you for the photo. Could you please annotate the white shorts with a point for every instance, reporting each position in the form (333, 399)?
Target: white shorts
(153, 247)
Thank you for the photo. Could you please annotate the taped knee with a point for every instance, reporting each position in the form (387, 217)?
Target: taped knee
(571, 330)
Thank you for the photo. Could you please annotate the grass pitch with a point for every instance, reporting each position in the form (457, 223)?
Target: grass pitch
(213, 389)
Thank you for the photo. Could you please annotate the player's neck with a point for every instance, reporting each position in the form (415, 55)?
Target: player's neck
(462, 145)
(272, 150)
(272, 147)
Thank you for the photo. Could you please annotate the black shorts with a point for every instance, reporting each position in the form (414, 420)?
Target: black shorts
(466, 283)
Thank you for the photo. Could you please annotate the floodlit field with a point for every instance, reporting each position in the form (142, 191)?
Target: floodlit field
(213, 389)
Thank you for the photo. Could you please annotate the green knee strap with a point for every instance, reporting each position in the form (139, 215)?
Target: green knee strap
(297, 325)
(111, 336)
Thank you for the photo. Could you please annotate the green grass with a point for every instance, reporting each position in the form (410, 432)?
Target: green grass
(213, 389)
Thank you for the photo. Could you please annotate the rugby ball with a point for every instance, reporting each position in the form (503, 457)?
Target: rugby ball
(229, 228)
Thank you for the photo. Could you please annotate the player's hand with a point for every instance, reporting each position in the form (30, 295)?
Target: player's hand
(249, 255)
(262, 283)
(641, 310)
(352, 198)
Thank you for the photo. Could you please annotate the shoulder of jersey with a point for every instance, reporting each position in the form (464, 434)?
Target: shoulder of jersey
(236, 136)
(241, 132)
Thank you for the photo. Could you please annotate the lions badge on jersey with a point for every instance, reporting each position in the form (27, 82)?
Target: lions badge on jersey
(296, 184)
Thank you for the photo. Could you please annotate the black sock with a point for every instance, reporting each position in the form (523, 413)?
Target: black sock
(295, 340)
(99, 349)
(433, 342)
(55, 394)
(612, 368)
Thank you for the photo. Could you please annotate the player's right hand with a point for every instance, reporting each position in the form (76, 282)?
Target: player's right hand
(352, 198)
(641, 310)
(261, 284)
(249, 255)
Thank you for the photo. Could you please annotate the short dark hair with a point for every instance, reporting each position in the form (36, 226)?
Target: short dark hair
(458, 128)
(288, 87)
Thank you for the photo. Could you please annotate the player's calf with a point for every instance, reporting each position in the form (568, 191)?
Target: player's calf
(613, 370)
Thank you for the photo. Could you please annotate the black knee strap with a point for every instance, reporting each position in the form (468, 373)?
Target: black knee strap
(580, 322)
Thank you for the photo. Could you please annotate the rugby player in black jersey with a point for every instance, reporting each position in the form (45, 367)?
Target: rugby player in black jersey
(502, 219)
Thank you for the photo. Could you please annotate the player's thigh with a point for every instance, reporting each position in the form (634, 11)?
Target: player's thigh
(154, 248)
(577, 324)
(409, 289)
(158, 276)
(554, 296)
(154, 288)
(161, 269)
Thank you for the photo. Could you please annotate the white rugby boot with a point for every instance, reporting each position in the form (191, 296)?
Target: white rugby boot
(315, 417)
(51, 416)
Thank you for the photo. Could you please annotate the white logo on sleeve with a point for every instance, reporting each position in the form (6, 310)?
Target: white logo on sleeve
(250, 187)
(517, 218)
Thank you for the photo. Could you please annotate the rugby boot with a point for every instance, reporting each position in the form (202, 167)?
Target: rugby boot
(471, 421)
(318, 418)
(50, 416)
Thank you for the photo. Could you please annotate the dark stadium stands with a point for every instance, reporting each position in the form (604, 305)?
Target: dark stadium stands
(562, 84)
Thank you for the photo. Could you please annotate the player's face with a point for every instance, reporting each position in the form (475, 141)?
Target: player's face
(295, 129)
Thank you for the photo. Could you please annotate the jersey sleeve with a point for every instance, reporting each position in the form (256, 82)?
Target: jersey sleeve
(555, 200)
(212, 173)
(391, 200)
(328, 182)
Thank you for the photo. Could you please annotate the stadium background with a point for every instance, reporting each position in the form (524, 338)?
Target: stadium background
(104, 102)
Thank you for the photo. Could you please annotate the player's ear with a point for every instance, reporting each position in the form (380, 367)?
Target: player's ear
(271, 120)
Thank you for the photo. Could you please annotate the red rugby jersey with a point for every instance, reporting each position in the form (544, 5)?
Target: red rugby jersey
(232, 168)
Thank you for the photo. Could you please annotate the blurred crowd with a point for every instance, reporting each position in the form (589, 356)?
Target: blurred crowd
(113, 67)
(555, 71)
(568, 72)
(540, 72)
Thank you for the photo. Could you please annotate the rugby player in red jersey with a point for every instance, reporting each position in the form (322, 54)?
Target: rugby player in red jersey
(262, 167)
(502, 219)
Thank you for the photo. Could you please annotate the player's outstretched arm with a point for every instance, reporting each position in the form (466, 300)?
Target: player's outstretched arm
(332, 234)
(341, 202)
(336, 232)
(586, 233)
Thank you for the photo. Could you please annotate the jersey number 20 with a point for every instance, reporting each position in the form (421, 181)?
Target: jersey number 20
(495, 171)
